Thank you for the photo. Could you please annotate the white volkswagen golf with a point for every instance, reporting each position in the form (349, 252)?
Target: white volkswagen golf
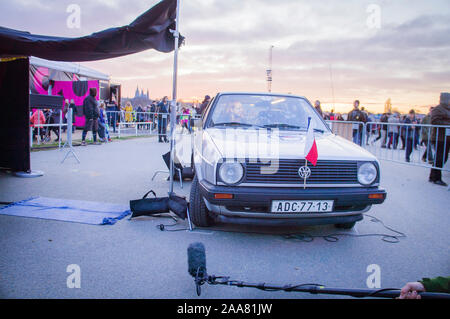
(250, 167)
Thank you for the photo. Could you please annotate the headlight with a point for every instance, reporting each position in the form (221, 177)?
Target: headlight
(367, 173)
(231, 172)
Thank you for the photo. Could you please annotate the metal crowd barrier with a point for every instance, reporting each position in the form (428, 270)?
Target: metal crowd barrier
(45, 129)
(352, 131)
(411, 144)
(122, 123)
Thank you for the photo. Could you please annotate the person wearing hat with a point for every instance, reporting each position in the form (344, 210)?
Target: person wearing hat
(440, 115)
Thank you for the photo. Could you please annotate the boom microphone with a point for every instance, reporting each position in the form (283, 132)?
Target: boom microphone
(197, 269)
(197, 260)
(197, 264)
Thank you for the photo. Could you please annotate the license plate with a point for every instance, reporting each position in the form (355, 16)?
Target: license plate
(302, 206)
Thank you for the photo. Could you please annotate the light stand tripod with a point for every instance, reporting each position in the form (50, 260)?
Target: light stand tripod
(68, 143)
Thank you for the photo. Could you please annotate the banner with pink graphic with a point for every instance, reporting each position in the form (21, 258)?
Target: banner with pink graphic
(65, 84)
(76, 91)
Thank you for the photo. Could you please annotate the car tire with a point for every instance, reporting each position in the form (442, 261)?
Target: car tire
(345, 225)
(198, 209)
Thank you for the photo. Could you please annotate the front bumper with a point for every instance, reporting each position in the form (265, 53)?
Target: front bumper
(255, 202)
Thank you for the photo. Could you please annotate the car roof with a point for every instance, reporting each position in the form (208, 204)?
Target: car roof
(261, 93)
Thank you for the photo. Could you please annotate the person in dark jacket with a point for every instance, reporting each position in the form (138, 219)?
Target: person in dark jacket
(91, 113)
(113, 113)
(204, 104)
(140, 116)
(356, 115)
(163, 115)
(153, 109)
(410, 133)
(425, 137)
(384, 129)
(441, 137)
(54, 119)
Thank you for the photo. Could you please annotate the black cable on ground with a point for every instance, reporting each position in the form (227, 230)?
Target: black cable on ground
(306, 237)
(165, 227)
(334, 237)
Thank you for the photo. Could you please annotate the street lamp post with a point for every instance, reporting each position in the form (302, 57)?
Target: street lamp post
(173, 109)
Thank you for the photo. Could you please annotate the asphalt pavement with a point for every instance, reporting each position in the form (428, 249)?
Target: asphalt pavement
(135, 259)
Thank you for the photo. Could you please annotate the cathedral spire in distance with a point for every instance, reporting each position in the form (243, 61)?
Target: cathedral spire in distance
(137, 92)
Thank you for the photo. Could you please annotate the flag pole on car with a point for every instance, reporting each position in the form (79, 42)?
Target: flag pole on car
(304, 178)
(310, 152)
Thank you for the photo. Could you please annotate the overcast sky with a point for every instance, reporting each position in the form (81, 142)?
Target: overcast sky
(320, 47)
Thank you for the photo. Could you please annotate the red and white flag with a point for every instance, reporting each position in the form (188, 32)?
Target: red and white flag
(310, 145)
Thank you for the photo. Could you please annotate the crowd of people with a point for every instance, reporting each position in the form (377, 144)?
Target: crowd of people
(157, 115)
(101, 117)
(393, 130)
(409, 130)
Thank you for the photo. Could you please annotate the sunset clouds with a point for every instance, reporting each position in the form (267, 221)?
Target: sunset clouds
(227, 45)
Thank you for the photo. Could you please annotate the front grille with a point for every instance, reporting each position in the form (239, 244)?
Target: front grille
(325, 172)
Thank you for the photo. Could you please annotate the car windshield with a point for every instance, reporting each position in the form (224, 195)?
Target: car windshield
(265, 111)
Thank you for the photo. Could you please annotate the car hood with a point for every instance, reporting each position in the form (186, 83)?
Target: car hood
(253, 143)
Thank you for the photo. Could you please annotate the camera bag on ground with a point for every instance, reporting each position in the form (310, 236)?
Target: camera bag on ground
(178, 205)
(149, 206)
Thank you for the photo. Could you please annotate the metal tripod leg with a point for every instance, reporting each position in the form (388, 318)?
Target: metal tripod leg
(70, 151)
(189, 219)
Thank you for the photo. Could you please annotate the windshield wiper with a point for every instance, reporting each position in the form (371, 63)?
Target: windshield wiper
(282, 125)
(233, 123)
(318, 130)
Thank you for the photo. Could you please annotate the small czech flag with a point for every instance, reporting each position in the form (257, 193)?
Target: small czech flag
(310, 145)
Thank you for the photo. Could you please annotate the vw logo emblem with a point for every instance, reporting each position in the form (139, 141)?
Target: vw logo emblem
(304, 172)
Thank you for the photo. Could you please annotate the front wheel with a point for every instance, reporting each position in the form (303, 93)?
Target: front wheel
(345, 225)
(198, 209)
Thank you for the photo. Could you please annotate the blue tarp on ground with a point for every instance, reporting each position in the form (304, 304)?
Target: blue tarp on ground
(68, 210)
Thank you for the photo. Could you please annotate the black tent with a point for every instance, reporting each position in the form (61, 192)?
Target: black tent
(151, 30)
(14, 128)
